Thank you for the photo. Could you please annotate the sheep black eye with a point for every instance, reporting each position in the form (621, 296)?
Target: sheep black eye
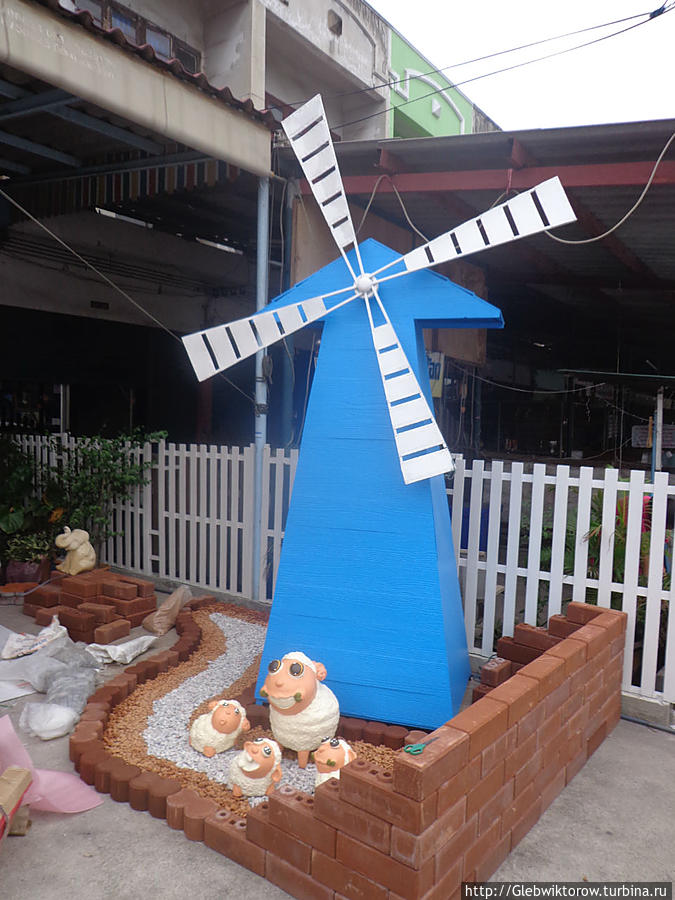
(237, 712)
(267, 751)
(258, 740)
(334, 742)
(296, 669)
(274, 666)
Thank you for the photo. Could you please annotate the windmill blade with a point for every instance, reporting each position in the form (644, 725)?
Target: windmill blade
(309, 135)
(544, 206)
(422, 451)
(216, 349)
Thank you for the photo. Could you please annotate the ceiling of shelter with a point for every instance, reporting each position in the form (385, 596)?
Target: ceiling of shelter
(602, 301)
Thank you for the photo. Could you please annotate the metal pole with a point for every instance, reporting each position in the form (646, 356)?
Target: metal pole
(262, 269)
(658, 434)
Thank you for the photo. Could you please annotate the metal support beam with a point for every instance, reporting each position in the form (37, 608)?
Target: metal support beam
(593, 175)
(8, 165)
(30, 104)
(262, 270)
(13, 140)
(130, 165)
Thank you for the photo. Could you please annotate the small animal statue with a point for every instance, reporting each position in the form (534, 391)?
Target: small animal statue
(256, 771)
(330, 756)
(302, 710)
(217, 730)
(80, 555)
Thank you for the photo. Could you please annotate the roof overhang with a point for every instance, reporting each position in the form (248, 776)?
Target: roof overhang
(62, 53)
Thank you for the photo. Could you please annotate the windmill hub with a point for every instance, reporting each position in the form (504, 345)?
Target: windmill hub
(364, 284)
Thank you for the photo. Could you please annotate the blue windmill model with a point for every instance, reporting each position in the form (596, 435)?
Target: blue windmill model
(367, 582)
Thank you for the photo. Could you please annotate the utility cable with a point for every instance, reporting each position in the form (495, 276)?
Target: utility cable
(468, 62)
(505, 69)
(624, 218)
(109, 281)
(400, 200)
(507, 387)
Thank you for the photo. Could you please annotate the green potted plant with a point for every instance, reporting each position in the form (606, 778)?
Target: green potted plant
(29, 557)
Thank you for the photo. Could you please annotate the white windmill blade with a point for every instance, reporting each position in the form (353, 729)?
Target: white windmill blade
(422, 451)
(309, 135)
(215, 349)
(538, 209)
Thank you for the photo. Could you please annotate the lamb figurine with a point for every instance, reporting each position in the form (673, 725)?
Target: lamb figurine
(217, 730)
(256, 771)
(303, 712)
(331, 755)
(80, 555)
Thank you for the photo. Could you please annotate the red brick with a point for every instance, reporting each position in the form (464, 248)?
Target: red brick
(509, 649)
(120, 776)
(493, 859)
(295, 882)
(86, 636)
(528, 821)
(89, 759)
(394, 736)
(260, 830)
(581, 613)
(143, 588)
(596, 739)
(352, 729)
(345, 881)
(46, 595)
(559, 626)
(186, 810)
(548, 671)
(495, 671)
(135, 619)
(338, 814)
(102, 613)
(527, 774)
(71, 600)
(382, 869)
(373, 733)
(572, 652)
(445, 888)
(294, 812)
(552, 789)
(519, 693)
(613, 621)
(557, 698)
(371, 789)
(74, 618)
(518, 757)
(460, 785)
(575, 765)
(485, 789)
(456, 848)
(106, 634)
(226, 833)
(497, 752)
(484, 722)
(516, 667)
(550, 728)
(530, 723)
(518, 807)
(119, 590)
(80, 586)
(30, 609)
(531, 636)
(45, 616)
(481, 850)
(415, 850)
(495, 806)
(135, 606)
(480, 691)
(419, 776)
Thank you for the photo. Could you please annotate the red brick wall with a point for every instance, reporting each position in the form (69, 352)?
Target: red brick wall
(449, 815)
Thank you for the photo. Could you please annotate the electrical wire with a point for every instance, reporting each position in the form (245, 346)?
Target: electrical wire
(515, 66)
(507, 387)
(400, 200)
(109, 281)
(624, 218)
(468, 62)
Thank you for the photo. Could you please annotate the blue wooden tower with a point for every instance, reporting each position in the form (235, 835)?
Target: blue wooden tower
(367, 582)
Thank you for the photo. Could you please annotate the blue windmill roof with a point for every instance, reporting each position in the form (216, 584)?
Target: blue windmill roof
(431, 299)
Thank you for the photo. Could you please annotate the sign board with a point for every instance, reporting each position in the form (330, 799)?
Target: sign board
(640, 436)
(436, 364)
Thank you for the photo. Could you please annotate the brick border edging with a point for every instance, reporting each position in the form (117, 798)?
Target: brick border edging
(451, 814)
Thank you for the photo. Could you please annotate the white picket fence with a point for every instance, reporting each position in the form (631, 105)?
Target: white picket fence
(521, 541)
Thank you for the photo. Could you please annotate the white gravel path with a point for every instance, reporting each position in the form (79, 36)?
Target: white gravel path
(166, 734)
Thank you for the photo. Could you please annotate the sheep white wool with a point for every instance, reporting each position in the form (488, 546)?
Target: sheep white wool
(321, 777)
(250, 787)
(305, 730)
(203, 734)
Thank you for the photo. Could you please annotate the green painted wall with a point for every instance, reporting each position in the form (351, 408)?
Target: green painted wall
(418, 119)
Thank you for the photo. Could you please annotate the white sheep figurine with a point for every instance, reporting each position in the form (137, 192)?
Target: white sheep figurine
(217, 730)
(331, 755)
(256, 771)
(303, 711)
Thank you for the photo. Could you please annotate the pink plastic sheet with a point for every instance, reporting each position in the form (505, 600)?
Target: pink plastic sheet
(50, 791)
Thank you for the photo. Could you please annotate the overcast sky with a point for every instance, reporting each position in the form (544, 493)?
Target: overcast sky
(630, 77)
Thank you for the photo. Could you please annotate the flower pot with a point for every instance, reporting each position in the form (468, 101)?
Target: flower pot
(37, 570)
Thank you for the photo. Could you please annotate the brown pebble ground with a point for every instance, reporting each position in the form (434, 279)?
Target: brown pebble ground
(123, 734)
